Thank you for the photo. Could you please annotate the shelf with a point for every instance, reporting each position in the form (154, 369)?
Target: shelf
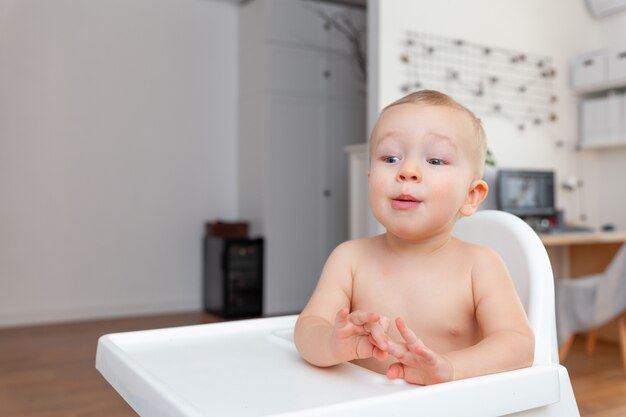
(600, 87)
(601, 145)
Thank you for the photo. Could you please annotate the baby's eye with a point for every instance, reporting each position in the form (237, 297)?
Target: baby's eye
(436, 161)
(391, 159)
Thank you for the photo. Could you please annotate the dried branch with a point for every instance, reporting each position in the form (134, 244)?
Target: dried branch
(353, 35)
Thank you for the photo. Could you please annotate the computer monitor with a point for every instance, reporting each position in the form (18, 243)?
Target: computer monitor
(526, 193)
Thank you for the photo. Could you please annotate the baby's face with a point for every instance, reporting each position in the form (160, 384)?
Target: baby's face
(422, 167)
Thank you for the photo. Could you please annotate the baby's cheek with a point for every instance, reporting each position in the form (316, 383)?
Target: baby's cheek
(378, 190)
(449, 193)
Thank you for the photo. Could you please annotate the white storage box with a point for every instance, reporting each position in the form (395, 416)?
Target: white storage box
(594, 120)
(589, 69)
(603, 120)
(615, 122)
(617, 65)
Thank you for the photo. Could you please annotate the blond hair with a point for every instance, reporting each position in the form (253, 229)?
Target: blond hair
(436, 98)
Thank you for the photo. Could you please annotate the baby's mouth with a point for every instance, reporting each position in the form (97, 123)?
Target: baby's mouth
(405, 197)
(405, 202)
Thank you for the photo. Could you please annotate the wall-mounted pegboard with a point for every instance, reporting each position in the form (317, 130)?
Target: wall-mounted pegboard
(490, 80)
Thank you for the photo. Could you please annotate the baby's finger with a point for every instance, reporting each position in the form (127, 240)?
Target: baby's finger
(379, 335)
(380, 355)
(395, 370)
(359, 318)
(384, 323)
(341, 319)
(427, 356)
(407, 334)
(398, 350)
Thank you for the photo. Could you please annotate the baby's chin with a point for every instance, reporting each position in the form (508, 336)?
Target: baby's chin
(418, 230)
(409, 234)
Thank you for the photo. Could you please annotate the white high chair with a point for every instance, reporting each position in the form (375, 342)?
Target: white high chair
(251, 367)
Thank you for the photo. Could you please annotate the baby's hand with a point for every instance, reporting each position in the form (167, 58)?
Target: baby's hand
(416, 363)
(360, 335)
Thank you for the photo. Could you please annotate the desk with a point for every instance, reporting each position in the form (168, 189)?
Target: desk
(574, 255)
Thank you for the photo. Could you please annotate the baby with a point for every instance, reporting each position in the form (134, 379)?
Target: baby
(456, 311)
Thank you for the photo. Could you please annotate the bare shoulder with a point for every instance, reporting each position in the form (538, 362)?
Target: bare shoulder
(486, 263)
(483, 253)
(346, 257)
(349, 247)
(345, 253)
(354, 254)
(357, 248)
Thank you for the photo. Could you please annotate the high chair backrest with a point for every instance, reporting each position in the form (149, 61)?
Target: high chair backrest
(529, 266)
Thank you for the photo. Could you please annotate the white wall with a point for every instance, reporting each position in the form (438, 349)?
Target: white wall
(118, 140)
(561, 29)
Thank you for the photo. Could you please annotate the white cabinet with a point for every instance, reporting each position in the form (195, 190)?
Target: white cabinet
(589, 70)
(616, 71)
(302, 100)
(599, 78)
(603, 120)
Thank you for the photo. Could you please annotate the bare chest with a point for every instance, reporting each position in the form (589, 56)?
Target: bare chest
(436, 301)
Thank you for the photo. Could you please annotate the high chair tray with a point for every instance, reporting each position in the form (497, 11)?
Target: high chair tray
(251, 368)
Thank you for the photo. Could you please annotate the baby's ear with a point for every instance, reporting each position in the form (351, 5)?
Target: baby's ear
(477, 193)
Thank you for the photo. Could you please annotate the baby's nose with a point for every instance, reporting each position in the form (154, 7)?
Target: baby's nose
(408, 177)
(409, 174)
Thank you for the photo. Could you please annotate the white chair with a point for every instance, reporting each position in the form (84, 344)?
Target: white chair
(586, 303)
(251, 367)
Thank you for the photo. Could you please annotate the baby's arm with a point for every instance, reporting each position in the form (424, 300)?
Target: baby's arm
(326, 332)
(508, 341)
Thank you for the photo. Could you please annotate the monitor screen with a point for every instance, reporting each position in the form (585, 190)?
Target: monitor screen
(525, 193)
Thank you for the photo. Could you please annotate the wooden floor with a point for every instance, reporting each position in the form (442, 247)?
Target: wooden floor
(599, 381)
(48, 371)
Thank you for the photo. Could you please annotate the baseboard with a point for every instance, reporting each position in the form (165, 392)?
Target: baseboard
(76, 313)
